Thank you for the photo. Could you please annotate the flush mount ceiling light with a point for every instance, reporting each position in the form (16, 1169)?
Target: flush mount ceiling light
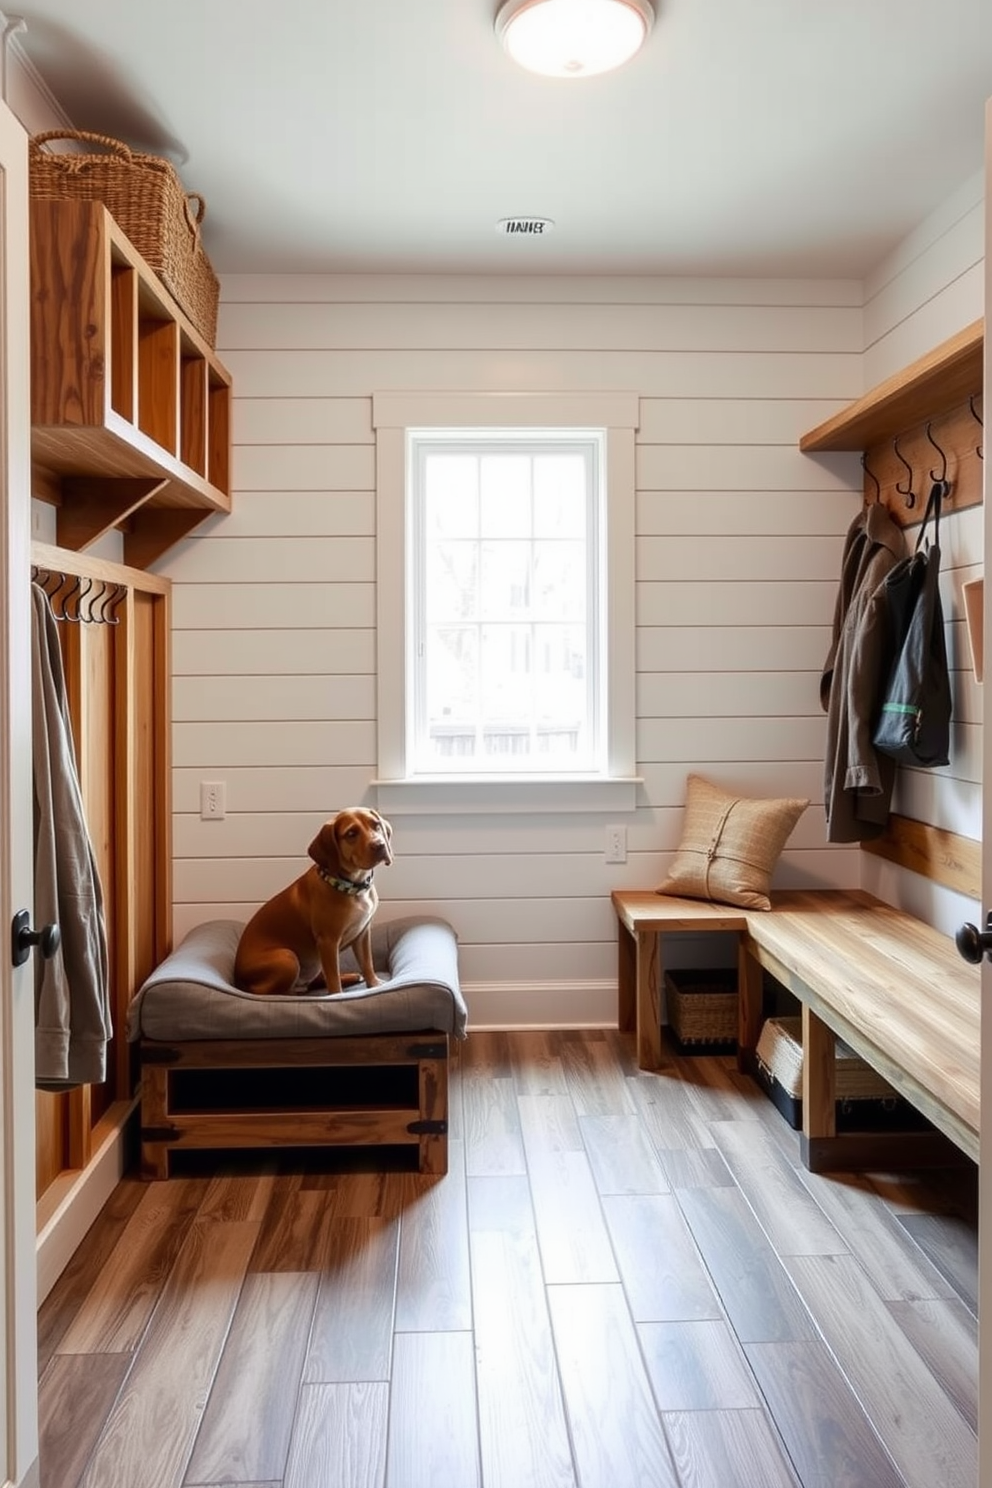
(573, 38)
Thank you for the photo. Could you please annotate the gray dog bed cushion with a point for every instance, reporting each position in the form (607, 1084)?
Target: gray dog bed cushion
(192, 994)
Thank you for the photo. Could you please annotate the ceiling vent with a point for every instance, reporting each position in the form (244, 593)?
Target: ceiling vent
(524, 227)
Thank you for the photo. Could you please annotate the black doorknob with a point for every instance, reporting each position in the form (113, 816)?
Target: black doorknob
(973, 943)
(23, 939)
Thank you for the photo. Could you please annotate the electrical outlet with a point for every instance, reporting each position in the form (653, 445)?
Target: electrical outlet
(616, 844)
(213, 800)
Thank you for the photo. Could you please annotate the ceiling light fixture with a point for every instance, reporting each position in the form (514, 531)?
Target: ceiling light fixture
(573, 38)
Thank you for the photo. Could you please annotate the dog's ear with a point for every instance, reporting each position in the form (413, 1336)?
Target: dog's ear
(387, 836)
(324, 847)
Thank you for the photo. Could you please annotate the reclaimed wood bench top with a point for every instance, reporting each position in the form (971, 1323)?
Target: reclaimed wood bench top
(892, 987)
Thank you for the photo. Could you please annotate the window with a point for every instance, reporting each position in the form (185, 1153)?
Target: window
(505, 599)
(505, 635)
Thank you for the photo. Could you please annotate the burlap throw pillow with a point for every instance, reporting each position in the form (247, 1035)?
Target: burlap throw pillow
(730, 845)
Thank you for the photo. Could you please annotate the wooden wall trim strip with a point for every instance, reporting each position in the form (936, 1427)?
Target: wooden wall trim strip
(62, 560)
(943, 857)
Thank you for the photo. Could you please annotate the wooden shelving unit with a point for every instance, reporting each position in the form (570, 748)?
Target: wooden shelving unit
(130, 407)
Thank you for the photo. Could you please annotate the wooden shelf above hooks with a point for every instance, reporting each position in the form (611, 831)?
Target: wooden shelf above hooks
(946, 376)
(917, 427)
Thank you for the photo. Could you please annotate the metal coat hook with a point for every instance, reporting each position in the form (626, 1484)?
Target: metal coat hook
(975, 415)
(909, 493)
(942, 477)
(872, 477)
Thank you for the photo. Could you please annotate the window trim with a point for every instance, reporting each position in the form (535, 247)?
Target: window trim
(393, 413)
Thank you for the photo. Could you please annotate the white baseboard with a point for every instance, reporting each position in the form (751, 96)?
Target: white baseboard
(494, 1006)
(72, 1203)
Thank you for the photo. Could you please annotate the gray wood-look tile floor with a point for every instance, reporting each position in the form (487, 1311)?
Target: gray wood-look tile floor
(624, 1280)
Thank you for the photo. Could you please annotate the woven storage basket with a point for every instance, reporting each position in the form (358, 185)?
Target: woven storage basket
(702, 1009)
(145, 197)
(864, 1098)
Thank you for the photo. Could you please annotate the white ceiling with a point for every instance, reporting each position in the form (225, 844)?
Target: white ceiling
(783, 137)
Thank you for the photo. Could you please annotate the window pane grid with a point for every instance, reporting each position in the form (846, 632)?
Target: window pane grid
(506, 583)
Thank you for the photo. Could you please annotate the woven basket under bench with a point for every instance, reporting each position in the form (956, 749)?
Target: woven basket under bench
(222, 1068)
(702, 1010)
(865, 1101)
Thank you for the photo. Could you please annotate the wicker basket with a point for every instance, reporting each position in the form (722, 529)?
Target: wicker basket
(702, 1009)
(864, 1098)
(145, 197)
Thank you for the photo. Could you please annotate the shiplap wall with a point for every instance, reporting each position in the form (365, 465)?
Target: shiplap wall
(931, 287)
(738, 549)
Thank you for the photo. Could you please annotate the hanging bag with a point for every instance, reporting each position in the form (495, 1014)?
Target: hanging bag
(914, 717)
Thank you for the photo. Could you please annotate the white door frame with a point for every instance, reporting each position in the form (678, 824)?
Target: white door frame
(18, 1291)
(985, 1181)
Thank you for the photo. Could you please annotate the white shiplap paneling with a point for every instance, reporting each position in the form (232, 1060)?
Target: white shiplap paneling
(736, 561)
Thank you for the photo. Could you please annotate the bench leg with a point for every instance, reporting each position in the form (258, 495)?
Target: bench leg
(638, 996)
(626, 979)
(648, 979)
(819, 1078)
(750, 1004)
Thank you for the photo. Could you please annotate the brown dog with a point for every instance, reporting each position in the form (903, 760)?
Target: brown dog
(299, 934)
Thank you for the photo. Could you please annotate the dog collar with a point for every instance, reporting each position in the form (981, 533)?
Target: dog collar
(345, 885)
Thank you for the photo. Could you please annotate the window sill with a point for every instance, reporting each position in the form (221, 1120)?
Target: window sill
(428, 795)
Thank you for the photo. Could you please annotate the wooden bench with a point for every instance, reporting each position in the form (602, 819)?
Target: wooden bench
(894, 989)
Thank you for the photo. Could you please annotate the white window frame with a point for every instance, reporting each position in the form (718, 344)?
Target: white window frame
(393, 414)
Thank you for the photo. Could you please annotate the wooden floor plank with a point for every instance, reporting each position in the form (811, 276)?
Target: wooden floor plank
(616, 1432)
(246, 1427)
(537, 1066)
(826, 1432)
(620, 1156)
(352, 1334)
(732, 1449)
(575, 1243)
(874, 1235)
(433, 1289)
(162, 1399)
(487, 1053)
(75, 1395)
(662, 1274)
(233, 1195)
(117, 1308)
(548, 1123)
(670, 1119)
(791, 1218)
(596, 1086)
(951, 1244)
(366, 1196)
(522, 1428)
(493, 1143)
(701, 1167)
(433, 1418)
(923, 1433)
(697, 1366)
(945, 1335)
(753, 1287)
(292, 1234)
(61, 1306)
(340, 1437)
